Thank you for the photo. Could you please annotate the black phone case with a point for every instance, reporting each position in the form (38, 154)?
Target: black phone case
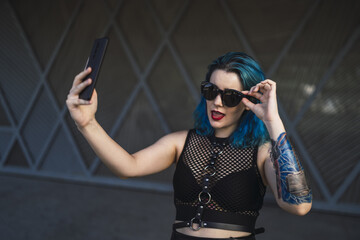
(94, 61)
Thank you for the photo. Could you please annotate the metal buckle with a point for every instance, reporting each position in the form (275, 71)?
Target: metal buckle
(192, 223)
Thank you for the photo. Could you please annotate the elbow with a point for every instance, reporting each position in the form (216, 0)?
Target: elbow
(123, 174)
(122, 177)
(299, 210)
(302, 209)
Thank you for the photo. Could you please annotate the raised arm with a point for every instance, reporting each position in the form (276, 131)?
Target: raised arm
(280, 166)
(152, 159)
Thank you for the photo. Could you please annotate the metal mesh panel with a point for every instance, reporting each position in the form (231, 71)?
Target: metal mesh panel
(314, 50)
(38, 27)
(142, 35)
(170, 90)
(214, 36)
(263, 24)
(16, 157)
(335, 116)
(3, 119)
(38, 124)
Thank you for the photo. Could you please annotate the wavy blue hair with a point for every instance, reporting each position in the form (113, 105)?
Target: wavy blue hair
(251, 131)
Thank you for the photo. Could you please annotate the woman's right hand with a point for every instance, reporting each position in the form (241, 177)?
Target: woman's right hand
(82, 111)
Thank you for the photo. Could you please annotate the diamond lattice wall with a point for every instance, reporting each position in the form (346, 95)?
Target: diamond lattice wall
(157, 56)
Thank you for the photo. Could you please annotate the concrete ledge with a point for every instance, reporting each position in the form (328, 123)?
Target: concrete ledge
(36, 209)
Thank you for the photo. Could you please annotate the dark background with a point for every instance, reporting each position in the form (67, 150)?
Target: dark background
(52, 185)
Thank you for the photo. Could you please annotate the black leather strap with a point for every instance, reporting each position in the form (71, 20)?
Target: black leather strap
(225, 226)
(259, 230)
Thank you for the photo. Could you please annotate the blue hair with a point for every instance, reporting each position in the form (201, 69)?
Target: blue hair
(251, 131)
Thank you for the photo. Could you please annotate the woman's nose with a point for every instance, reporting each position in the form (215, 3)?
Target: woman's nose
(218, 100)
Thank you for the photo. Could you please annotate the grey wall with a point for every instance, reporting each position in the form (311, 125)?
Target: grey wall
(149, 82)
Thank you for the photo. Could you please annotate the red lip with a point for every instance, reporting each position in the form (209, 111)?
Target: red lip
(216, 115)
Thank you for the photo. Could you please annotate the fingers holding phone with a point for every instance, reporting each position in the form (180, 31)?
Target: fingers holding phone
(82, 111)
(79, 84)
(81, 76)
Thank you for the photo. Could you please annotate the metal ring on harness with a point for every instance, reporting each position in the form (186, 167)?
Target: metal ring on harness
(201, 200)
(192, 223)
(213, 168)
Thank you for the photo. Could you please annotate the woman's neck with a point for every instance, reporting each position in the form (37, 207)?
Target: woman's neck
(222, 133)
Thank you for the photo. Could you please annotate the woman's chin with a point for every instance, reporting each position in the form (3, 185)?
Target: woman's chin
(216, 124)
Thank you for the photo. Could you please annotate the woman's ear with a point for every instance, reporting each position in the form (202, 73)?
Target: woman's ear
(246, 107)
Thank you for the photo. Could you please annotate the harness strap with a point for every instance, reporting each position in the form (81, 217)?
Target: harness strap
(225, 226)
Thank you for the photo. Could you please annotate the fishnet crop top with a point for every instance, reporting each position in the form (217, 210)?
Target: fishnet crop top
(236, 189)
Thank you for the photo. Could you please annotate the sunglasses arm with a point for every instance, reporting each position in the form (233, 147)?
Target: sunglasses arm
(252, 99)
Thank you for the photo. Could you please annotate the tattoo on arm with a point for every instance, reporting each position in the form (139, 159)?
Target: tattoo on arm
(290, 179)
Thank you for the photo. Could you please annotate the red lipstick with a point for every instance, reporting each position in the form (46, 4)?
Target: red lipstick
(215, 115)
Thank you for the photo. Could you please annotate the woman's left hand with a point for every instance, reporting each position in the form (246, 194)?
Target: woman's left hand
(264, 91)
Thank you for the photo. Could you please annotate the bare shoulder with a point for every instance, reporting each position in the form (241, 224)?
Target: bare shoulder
(179, 134)
(176, 139)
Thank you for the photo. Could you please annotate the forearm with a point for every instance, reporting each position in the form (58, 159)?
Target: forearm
(291, 183)
(275, 127)
(110, 153)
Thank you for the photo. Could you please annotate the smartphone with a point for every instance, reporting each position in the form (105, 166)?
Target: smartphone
(94, 61)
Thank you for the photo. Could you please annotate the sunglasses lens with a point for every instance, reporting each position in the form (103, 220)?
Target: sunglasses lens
(231, 99)
(209, 91)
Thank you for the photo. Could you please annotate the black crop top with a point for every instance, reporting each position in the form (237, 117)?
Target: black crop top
(237, 190)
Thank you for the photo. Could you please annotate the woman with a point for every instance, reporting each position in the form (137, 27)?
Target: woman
(238, 147)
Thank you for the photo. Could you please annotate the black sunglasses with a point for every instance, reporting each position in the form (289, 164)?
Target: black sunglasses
(229, 97)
